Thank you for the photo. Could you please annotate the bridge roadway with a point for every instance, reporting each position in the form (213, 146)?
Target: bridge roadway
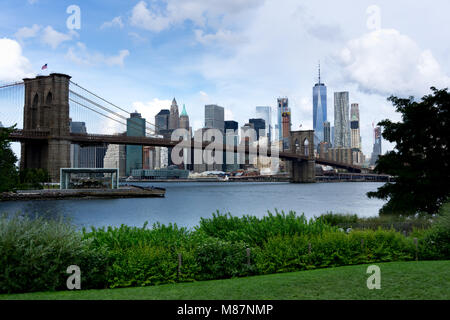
(96, 139)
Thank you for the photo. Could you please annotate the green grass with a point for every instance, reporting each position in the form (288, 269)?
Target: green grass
(399, 280)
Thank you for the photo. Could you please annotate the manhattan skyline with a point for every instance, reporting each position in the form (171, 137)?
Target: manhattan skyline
(142, 54)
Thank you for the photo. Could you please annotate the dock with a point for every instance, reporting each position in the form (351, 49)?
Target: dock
(127, 192)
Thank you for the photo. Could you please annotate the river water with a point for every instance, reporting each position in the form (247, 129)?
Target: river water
(185, 203)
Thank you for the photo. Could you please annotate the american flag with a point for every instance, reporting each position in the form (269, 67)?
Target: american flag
(44, 67)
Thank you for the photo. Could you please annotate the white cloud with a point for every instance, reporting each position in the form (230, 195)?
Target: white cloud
(25, 32)
(175, 12)
(221, 37)
(147, 19)
(13, 65)
(116, 22)
(54, 38)
(81, 56)
(387, 62)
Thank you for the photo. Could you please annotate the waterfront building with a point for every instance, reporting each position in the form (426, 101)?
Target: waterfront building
(327, 132)
(343, 155)
(376, 146)
(266, 114)
(231, 138)
(319, 108)
(259, 125)
(184, 124)
(115, 158)
(341, 121)
(284, 118)
(162, 120)
(174, 117)
(355, 127)
(214, 117)
(85, 157)
(135, 128)
(76, 127)
(161, 174)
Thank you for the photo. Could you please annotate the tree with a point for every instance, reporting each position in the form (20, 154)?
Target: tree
(8, 168)
(420, 160)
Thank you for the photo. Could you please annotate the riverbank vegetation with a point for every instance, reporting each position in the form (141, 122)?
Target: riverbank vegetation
(35, 253)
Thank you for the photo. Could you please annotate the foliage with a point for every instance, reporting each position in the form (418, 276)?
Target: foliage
(8, 160)
(33, 178)
(255, 231)
(221, 259)
(398, 222)
(331, 249)
(436, 241)
(420, 161)
(35, 254)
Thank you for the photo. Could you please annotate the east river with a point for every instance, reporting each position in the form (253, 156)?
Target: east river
(185, 203)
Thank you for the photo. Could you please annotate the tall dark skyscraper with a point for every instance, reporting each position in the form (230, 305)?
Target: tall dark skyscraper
(327, 132)
(266, 114)
(260, 127)
(319, 108)
(231, 125)
(162, 121)
(135, 128)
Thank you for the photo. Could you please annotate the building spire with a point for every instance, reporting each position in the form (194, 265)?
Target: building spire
(184, 113)
(319, 71)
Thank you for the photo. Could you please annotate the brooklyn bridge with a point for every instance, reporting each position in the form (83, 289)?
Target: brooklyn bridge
(48, 102)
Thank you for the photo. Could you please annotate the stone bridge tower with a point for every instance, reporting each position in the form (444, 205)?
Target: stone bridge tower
(46, 110)
(302, 142)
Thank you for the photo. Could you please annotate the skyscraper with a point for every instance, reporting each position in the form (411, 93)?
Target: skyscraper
(184, 119)
(214, 117)
(327, 132)
(376, 146)
(319, 108)
(231, 139)
(341, 123)
(266, 114)
(260, 127)
(174, 117)
(135, 128)
(354, 127)
(162, 120)
(282, 108)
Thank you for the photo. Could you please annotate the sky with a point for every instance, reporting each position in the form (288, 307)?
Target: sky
(237, 54)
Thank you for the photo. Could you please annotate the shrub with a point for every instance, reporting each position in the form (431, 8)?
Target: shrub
(35, 254)
(436, 241)
(219, 259)
(255, 231)
(331, 249)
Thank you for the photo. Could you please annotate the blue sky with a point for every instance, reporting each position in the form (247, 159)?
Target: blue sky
(238, 54)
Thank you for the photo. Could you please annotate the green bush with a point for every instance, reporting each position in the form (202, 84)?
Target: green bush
(219, 259)
(436, 240)
(35, 254)
(331, 249)
(255, 231)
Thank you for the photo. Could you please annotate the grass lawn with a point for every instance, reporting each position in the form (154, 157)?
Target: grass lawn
(399, 280)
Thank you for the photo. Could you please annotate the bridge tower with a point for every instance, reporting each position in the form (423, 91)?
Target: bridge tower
(303, 171)
(46, 109)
